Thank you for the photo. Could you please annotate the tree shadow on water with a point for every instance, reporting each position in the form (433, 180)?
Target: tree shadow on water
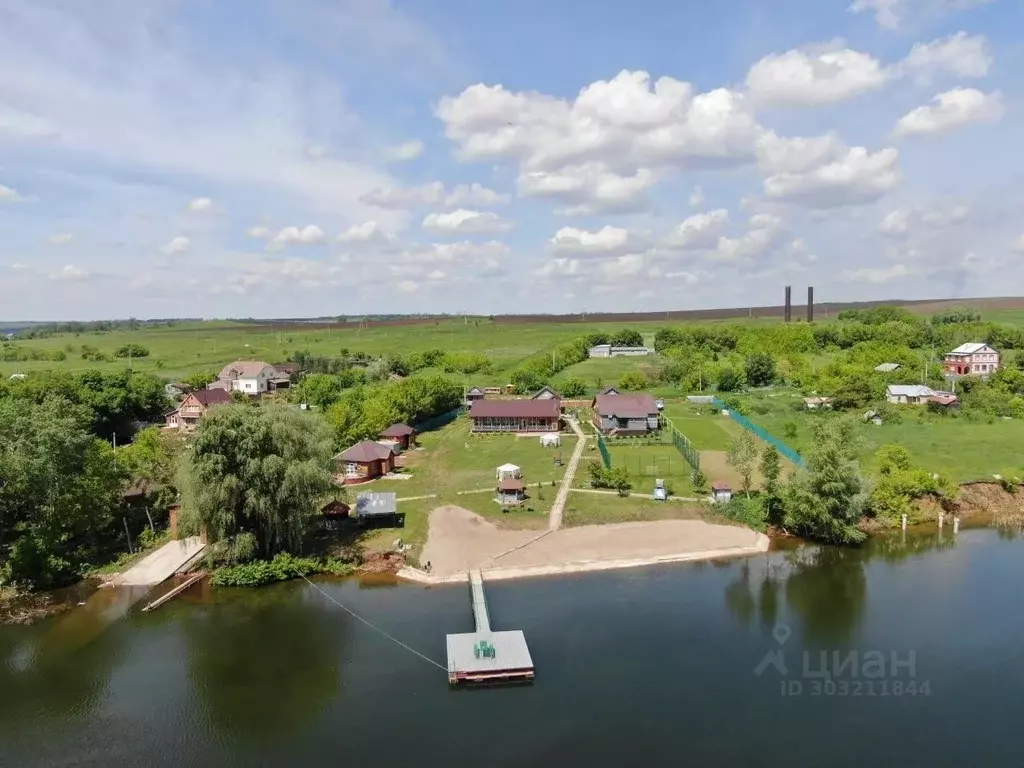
(266, 663)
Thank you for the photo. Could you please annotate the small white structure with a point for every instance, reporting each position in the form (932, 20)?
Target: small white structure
(700, 399)
(660, 492)
(551, 440)
(908, 394)
(610, 350)
(17, 376)
(508, 472)
(813, 403)
(720, 491)
(887, 367)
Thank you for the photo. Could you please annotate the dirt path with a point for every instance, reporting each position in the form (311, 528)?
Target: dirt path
(460, 540)
(555, 517)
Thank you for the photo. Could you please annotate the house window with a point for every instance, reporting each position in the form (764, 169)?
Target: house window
(351, 470)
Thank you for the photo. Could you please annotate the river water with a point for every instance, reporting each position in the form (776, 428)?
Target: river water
(656, 666)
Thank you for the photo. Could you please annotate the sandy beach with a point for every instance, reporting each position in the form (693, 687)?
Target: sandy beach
(459, 540)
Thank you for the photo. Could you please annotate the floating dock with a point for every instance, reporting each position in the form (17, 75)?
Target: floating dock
(486, 656)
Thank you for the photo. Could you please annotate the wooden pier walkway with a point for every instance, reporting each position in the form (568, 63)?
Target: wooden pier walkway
(485, 656)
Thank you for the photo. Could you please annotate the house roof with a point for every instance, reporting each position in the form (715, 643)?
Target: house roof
(609, 391)
(943, 398)
(516, 409)
(510, 484)
(335, 509)
(887, 367)
(546, 392)
(365, 452)
(243, 369)
(970, 349)
(635, 406)
(720, 485)
(475, 391)
(909, 390)
(376, 504)
(508, 468)
(208, 397)
(398, 430)
(286, 369)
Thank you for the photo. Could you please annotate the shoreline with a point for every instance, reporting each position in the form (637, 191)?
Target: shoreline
(498, 573)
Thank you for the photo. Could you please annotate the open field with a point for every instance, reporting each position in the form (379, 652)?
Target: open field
(961, 449)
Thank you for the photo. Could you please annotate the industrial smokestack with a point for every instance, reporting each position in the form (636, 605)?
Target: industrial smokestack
(789, 303)
(810, 304)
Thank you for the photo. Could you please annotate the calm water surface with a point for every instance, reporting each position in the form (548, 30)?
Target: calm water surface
(653, 666)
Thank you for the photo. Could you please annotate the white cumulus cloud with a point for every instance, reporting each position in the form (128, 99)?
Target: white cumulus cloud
(961, 54)
(179, 244)
(311, 234)
(259, 232)
(589, 189)
(368, 231)
(408, 286)
(950, 110)
(463, 221)
(10, 195)
(200, 205)
(855, 176)
(701, 230)
(433, 194)
(608, 239)
(805, 78)
(890, 14)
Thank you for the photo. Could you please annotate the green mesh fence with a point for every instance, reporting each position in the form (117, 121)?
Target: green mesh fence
(685, 447)
(603, 447)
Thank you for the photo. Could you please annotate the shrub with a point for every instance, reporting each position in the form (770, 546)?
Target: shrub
(699, 481)
(789, 431)
(132, 350)
(633, 381)
(749, 512)
(282, 568)
(574, 387)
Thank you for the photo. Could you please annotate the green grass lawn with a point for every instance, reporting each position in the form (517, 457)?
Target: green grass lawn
(961, 449)
(707, 431)
(599, 373)
(599, 509)
(453, 460)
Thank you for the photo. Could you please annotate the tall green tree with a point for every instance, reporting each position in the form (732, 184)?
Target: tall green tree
(60, 488)
(760, 369)
(771, 470)
(628, 337)
(743, 456)
(263, 472)
(825, 500)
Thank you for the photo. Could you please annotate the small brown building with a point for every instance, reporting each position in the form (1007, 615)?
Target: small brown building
(516, 415)
(194, 407)
(401, 436)
(365, 461)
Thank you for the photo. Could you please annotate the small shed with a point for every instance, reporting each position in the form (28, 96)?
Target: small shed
(474, 393)
(546, 393)
(365, 461)
(333, 514)
(508, 472)
(510, 491)
(378, 507)
(400, 436)
(720, 491)
(551, 440)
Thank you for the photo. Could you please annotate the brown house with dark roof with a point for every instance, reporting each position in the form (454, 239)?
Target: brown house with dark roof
(194, 407)
(516, 415)
(365, 461)
(401, 436)
(635, 414)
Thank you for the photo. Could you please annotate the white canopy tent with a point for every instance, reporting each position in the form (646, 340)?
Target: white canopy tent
(508, 471)
(551, 440)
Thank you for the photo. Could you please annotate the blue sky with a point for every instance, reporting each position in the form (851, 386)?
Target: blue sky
(260, 158)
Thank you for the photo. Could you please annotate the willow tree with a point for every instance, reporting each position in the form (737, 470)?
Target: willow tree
(256, 475)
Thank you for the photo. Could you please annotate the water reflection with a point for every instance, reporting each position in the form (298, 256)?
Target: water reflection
(823, 588)
(61, 668)
(265, 662)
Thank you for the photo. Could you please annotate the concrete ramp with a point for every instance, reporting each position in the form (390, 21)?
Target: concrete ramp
(160, 565)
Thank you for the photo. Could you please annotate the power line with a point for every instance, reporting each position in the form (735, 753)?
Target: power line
(375, 628)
